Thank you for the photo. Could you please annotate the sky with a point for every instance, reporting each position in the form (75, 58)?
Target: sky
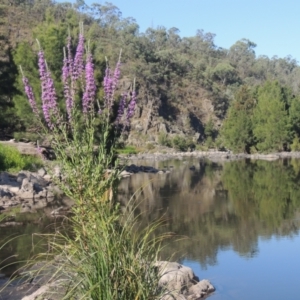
(274, 25)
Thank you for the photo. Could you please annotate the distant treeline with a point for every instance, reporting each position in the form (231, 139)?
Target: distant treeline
(225, 97)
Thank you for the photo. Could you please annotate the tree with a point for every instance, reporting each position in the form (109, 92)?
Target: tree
(237, 128)
(242, 56)
(272, 127)
(225, 73)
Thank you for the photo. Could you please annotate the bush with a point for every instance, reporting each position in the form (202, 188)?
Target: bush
(12, 160)
(296, 144)
(164, 140)
(182, 144)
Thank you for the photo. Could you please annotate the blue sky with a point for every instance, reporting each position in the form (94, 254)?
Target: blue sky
(274, 25)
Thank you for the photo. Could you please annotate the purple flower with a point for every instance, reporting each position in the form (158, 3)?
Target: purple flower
(121, 108)
(116, 76)
(90, 85)
(49, 106)
(78, 66)
(131, 107)
(110, 85)
(30, 96)
(65, 77)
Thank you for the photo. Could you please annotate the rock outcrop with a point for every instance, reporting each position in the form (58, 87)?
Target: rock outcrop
(27, 189)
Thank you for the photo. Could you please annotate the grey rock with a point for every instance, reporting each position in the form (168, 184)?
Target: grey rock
(50, 195)
(180, 282)
(47, 177)
(175, 276)
(200, 290)
(4, 193)
(27, 186)
(28, 196)
(38, 180)
(42, 172)
(4, 178)
(125, 174)
(57, 172)
(40, 195)
(14, 189)
(20, 177)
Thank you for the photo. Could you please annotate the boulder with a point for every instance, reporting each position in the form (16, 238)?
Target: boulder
(200, 290)
(180, 282)
(27, 186)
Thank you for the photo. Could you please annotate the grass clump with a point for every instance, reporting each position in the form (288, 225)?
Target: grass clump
(112, 261)
(12, 160)
(127, 150)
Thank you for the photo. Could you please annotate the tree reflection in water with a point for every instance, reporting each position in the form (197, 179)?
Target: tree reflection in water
(219, 205)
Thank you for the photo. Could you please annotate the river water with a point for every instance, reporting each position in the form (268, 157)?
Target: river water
(235, 223)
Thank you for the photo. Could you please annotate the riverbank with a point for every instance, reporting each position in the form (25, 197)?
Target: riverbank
(211, 155)
(44, 281)
(164, 153)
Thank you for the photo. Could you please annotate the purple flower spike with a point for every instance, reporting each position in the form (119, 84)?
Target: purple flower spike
(90, 85)
(48, 92)
(69, 101)
(110, 85)
(44, 86)
(107, 87)
(65, 76)
(121, 108)
(116, 76)
(78, 67)
(30, 96)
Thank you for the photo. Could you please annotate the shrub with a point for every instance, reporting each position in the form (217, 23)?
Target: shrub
(296, 144)
(12, 160)
(182, 144)
(164, 140)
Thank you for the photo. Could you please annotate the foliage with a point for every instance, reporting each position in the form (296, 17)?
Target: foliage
(12, 160)
(182, 144)
(295, 146)
(127, 150)
(176, 76)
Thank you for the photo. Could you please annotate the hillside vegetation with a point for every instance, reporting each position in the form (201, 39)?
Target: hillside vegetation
(191, 93)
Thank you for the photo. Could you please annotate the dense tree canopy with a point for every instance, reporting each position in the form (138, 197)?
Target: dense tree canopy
(182, 82)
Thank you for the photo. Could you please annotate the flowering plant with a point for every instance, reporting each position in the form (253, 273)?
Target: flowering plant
(105, 258)
(89, 171)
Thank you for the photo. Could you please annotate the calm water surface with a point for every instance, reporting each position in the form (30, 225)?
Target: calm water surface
(241, 221)
(238, 222)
